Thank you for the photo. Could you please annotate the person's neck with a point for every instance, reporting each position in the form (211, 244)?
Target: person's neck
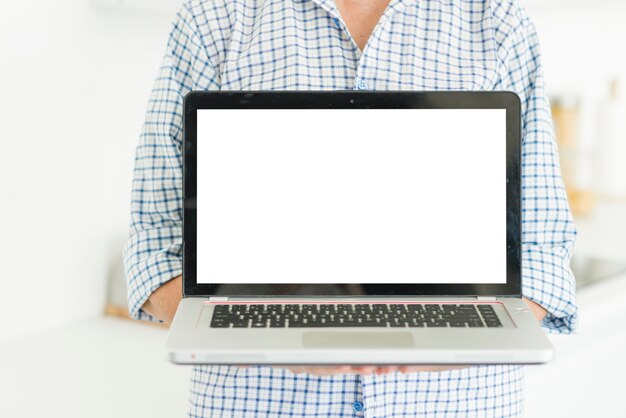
(361, 17)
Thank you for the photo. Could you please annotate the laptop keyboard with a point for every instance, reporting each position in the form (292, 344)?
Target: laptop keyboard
(354, 315)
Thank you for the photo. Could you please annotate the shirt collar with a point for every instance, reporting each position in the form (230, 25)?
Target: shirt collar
(394, 7)
(329, 6)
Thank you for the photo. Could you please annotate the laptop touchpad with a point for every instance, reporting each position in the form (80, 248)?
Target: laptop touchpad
(347, 339)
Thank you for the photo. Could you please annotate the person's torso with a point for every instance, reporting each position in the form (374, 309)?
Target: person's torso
(304, 45)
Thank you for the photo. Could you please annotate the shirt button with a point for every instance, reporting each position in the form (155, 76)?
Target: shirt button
(361, 84)
(358, 406)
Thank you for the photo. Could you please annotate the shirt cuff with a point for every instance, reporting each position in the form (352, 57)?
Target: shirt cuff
(548, 281)
(147, 275)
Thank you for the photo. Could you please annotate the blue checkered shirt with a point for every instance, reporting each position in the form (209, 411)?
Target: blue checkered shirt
(305, 45)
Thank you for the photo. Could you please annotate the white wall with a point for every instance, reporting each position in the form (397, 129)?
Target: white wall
(583, 49)
(74, 83)
(582, 43)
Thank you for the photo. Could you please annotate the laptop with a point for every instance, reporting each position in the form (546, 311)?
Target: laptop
(353, 228)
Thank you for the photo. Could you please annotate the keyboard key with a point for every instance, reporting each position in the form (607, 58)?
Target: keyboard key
(493, 322)
(222, 309)
(238, 308)
(438, 324)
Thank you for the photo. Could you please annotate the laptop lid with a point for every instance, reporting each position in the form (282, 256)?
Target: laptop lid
(352, 194)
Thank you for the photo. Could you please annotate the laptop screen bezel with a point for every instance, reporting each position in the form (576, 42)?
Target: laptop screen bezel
(509, 101)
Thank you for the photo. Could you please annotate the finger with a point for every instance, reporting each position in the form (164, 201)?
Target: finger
(364, 370)
(318, 370)
(431, 368)
(328, 370)
(386, 369)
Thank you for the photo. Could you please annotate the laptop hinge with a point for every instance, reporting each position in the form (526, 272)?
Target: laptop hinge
(218, 298)
(486, 298)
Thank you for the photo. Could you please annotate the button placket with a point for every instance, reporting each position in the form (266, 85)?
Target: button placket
(358, 406)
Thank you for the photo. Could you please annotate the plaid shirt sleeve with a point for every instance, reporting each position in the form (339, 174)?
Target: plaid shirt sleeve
(153, 254)
(548, 231)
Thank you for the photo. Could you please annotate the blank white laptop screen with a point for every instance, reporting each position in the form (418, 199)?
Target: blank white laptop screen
(351, 196)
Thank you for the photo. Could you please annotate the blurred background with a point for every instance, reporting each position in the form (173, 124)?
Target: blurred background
(75, 77)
